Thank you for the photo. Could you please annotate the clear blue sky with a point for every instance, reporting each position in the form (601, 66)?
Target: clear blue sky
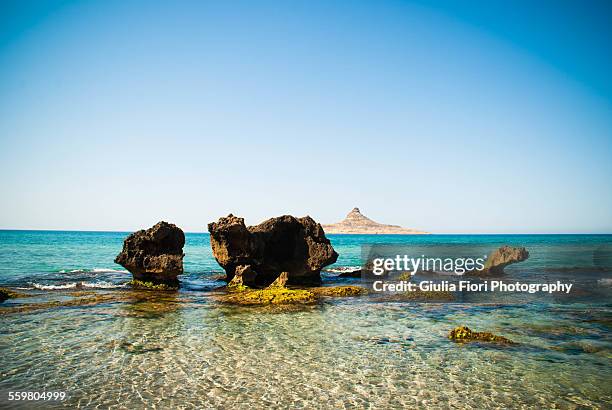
(444, 116)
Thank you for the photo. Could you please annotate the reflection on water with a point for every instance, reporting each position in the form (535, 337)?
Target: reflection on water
(183, 350)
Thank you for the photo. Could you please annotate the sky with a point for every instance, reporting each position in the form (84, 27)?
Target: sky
(445, 116)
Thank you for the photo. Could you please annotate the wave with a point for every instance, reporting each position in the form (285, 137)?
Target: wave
(575, 269)
(94, 270)
(605, 281)
(78, 285)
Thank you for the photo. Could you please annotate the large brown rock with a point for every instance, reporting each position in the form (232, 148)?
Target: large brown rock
(154, 255)
(297, 246)
(502, 257)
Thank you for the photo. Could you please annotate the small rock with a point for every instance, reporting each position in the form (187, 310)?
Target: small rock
(464, 334)
(9, 294)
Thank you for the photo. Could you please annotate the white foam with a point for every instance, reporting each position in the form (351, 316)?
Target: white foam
(94, 270)
(102, 285)
(104, 270)
(38, 286)
(76, 285)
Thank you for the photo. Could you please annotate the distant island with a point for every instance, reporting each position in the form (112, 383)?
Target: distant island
(356, 223)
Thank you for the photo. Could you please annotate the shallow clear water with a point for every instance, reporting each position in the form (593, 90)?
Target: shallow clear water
(186, 350)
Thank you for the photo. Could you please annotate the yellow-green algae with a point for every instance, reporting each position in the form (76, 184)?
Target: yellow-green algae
(405, 276)
(236, 287)
(138, 284)
(137, 300)
(463, 334)
(418, 295)
(340, 291)
(275, 295)
(421, 295)
(85, 301)
(431, 295)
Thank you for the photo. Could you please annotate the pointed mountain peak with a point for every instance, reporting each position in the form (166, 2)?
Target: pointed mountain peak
(355, 211)
(357, 223)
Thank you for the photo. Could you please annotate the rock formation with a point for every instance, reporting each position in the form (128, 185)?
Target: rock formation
(154, 255)
(463, 334)
(502, 257)
(297, 246)
(244, 277)
(356, 223)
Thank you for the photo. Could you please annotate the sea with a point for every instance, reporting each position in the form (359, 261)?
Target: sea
(185, 349)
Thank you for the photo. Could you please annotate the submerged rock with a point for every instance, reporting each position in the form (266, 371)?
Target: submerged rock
(154, 255)
(270, 296)
(78, 301)
(418, 295)
(138, 284)
(138, 348)
(297, 246)
(9, 294)
(502, 257)
(464, 334)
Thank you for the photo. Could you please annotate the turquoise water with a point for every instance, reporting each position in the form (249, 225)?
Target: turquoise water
(186, 350)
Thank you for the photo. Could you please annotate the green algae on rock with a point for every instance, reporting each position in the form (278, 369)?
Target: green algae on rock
(418, 295)
(84, 301)
(233, 287)
(405, 276)
(237, 283)
(341, 291)
(270, 296)
(142, 300)
(431, 295)
(281, 295)
(464, 334)
(277, 293)
(138, 284)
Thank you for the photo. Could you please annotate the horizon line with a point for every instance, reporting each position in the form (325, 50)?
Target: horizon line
(327, 234)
